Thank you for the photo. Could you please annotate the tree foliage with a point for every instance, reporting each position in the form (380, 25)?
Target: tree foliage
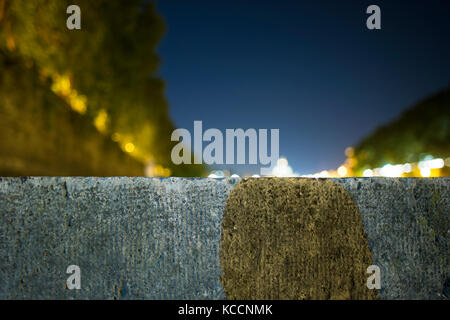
(41, 135)
(421, 130)
(111, 62)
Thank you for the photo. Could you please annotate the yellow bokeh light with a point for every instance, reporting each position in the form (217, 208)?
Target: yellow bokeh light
(129, 147)
(351, 162)
(157, 171)
(61, 85)
(101, 120)
(429, 167)
(78, 102)
(349, 152)
(63, 88)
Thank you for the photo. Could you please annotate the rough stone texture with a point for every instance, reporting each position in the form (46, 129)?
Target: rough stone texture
(134, 238)
(144, 238)
(293, 239)
(407, 223)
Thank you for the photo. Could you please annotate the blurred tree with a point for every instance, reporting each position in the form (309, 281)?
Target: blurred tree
(104, 71)
(41, 135)
(421, 130)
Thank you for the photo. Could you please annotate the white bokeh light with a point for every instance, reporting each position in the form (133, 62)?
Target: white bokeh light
(282, 169)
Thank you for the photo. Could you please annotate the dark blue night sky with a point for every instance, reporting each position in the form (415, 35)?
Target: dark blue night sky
(310, 68)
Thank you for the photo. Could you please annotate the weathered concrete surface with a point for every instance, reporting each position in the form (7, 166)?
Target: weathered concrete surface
(141, 238)
(131, 237)
(407, 224)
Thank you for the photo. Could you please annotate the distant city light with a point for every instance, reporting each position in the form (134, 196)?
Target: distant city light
(407, 168)
(389, 170)
(342, 171)
(324, 174)
(368, 173)
(425, 172)
(426, 168)
(431, 164)
(423, 168)
(282, 169)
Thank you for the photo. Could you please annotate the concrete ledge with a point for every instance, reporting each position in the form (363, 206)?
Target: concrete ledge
(142, 238)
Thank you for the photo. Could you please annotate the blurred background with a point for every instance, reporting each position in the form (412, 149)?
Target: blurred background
(104, 100)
